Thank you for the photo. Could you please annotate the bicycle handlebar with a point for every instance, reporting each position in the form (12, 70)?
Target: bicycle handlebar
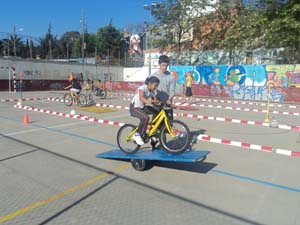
(161, 105)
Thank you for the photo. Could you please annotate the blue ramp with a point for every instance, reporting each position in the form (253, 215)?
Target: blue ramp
(156, 155)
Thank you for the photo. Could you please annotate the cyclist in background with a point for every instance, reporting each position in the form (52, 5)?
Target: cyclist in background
(99, 88)
(88, 86)
(74, 85)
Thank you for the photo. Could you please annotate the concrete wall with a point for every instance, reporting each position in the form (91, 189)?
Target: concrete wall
(137, 73)
(45, 70)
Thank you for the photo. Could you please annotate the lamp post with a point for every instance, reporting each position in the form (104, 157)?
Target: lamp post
(30, 47)
(150, 7)
(14, 39)
(83, 44)
(83, 41)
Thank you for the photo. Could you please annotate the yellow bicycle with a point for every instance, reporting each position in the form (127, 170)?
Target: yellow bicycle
(71, 98)
(174, 135)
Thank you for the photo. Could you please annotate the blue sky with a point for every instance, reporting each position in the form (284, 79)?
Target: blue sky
(34, 16)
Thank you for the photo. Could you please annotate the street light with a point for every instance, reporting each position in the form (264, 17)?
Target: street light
(14, 36)
(150, 7)
(153, 5)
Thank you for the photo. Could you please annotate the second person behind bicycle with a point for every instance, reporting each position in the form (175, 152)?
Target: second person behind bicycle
(146, 95)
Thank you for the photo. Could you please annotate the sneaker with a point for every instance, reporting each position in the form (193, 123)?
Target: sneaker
(138, 139)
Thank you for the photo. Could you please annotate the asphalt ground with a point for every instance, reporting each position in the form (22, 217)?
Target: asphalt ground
(50, 175)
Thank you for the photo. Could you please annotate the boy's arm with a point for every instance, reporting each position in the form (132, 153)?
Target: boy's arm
(172, 89)
(68, 87)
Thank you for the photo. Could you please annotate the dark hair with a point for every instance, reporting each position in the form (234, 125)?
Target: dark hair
(163, 59)
(151, 80)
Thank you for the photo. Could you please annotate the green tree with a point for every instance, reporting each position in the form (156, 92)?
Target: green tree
(67, 42)
(90, 46)
(2, 51)
(7, 46)
(8, 43)
(109, 40)
(48, 46)
(282, 26)
(176, 19)
(273, 26)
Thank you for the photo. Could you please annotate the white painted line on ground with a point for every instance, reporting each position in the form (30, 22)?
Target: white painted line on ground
(33, 130)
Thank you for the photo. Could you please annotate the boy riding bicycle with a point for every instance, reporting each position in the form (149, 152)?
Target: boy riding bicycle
(146, 95)
(75, 85)
(99, 88)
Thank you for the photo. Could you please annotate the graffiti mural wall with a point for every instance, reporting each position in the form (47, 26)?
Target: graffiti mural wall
(249, 82)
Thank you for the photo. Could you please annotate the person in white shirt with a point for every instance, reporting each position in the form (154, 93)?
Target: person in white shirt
(146, 95)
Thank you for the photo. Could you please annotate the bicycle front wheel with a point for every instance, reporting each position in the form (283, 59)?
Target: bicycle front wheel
(68, 100)
(103, 94)
(90, 99)
(81, 100)
(125, 139)
(179, 142)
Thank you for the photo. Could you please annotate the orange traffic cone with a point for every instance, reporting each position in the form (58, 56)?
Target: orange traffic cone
(26, 119)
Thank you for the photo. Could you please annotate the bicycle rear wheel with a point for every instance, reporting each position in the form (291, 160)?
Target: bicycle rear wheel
(90, 99)
(68, 100)
(125, 139)
(178, 143)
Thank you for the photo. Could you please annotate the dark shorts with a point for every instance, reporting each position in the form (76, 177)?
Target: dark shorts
(188, 92)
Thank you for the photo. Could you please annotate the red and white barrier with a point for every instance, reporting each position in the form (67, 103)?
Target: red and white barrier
(67, 115)
(203, 117)
(55, 99)
(24, 99)
(221, 119)
(237, 102)
(200, 137)
(222, 101)
(232, 108)
(248, 109)
(120, 94)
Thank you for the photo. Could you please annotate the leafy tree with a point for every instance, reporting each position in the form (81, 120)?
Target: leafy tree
(282, 26)
(6, 46)
(90, 46)
(272, 26)
(1, 48)
(176, 18)
(108, 39)
(48, 47)
(67, 42)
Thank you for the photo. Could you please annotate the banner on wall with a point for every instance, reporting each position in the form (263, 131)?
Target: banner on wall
(134, 45)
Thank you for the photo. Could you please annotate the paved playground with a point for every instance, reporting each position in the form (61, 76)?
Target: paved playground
(50, 175)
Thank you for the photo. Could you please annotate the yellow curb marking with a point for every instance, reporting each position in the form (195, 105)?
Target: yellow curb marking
(61, 194)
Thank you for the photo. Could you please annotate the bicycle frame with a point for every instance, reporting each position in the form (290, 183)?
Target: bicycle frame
(161, 117)
(73, 95)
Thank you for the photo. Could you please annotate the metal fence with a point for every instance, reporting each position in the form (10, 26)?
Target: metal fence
(219, 57)
(24, 46)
